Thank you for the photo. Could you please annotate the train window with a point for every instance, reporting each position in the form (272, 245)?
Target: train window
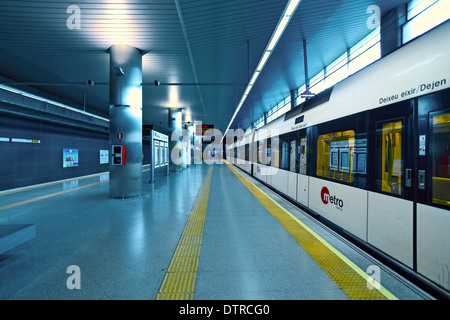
(440, 146)
(264, 153)
(334, 156)
(259, 152)
(247, 152)
(293, 156)
(344, 163)
(359, 156)
(273, 151)
(389, 157)
(240, 154)
(334, 159)
(268, 152)
(302, 153)
(284, 154)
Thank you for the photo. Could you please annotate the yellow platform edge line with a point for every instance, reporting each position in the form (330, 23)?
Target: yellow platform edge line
(179, 280)
(355, 268)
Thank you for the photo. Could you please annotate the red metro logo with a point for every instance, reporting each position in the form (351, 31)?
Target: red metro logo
(325, 195)
(327, 198)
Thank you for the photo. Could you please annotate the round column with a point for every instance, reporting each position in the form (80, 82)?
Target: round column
(175, 140)
(125, 180)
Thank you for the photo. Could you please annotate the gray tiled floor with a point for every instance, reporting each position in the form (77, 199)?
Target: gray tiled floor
(247, 254)
(124, 247)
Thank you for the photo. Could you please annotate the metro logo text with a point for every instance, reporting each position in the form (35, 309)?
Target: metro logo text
(325, 195)
(327, 198)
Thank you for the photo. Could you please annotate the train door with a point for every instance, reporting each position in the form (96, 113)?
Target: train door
(391, 200)
(301, 168)
(433, 187)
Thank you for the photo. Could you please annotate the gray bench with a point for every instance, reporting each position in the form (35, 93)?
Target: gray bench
(14, 235)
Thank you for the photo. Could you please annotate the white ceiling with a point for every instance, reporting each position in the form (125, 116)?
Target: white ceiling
(186, 41)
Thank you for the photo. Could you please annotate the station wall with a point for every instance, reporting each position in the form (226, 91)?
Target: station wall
(25, 164)
(146, 151)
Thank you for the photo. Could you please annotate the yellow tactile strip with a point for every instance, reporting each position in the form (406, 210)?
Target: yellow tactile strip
(179, 281)
(347, 276)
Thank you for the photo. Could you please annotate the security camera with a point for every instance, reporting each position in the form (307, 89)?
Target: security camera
(91, 83)
(157, 83)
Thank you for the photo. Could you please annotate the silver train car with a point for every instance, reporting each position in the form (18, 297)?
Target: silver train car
(371, 157)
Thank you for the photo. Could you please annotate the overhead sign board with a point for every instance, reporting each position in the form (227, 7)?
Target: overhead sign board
(201, 129)
(159, 136)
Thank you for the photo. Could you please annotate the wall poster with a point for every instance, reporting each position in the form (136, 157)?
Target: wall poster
(70, 158)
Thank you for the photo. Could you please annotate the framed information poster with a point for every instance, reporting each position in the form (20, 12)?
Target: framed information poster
(70, 158)
(104, 156)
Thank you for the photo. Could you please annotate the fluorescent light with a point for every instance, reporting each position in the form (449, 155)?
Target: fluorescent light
(291, 7)
(279, 30)
(231, 122)
(286, 17)
(25, 140)
(277, 35)
(35, 97)
(253, 80)
(263, 61)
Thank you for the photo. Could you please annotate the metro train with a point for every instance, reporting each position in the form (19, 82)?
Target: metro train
(371, 157)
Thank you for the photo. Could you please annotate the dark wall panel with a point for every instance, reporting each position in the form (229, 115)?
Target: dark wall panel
(24, 164)
(146, 150)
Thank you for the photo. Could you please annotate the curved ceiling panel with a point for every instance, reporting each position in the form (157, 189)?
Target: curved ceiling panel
(216, 44)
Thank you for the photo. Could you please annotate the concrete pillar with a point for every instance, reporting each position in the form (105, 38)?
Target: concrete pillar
(125, 113)
(391, 29)
(175, 147)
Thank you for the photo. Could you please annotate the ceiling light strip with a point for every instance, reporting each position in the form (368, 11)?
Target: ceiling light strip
(288, 12)
(188, 46)
(35, 97)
